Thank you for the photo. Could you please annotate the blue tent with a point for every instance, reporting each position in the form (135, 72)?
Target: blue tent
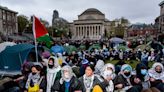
(13, 57)
(57, 49)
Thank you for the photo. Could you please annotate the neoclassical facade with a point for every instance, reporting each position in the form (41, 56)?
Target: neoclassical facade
(91, 25)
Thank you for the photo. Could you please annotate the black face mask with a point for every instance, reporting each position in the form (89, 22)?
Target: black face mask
(158, 71)
(33, 73)
(50, 66)
(127, 74)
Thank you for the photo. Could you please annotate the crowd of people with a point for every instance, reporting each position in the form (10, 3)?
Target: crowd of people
(88, 71)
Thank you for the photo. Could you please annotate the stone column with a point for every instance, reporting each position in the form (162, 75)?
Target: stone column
(77, 31)
(85, 31)
(91, 31)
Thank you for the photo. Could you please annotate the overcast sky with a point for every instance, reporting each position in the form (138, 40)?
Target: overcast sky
(137, 11)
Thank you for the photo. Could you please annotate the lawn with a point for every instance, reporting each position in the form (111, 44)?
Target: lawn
(133, 63)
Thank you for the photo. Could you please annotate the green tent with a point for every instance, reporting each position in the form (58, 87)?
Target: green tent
(82, 47)
(123, 48)
(69, 49)
(94, 46)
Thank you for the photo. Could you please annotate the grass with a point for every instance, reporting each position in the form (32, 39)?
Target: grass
(133, 63)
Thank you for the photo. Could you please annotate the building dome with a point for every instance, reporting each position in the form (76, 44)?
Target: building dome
(91, 14)
(92, 11)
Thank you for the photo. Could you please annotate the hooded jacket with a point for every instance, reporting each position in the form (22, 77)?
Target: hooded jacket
(157, 76)
(53, 74)
(107, 86)
(144, 78)
(154, 74)
(60, 84)
(121, 79)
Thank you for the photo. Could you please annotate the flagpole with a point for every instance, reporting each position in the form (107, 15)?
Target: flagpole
(36, 51)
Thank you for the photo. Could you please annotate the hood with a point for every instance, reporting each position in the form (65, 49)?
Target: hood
(108, 65)
(69, 69)
(56, 63)
(126, 66)
(138, 70)
(99, 65)
(139, 67)
(154, 74)
(156, 64)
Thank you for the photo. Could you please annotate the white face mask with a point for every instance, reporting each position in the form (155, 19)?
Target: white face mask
(107, 73)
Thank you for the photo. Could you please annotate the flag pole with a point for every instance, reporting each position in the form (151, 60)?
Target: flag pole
(36, 51)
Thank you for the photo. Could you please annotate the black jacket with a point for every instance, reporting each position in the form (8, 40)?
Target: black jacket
(74, 86)
(95, 82)
(121, 80)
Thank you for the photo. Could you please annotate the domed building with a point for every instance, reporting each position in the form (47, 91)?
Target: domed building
(91, 25)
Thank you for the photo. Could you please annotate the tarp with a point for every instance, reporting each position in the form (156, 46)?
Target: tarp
(5, 44)
(13, 57)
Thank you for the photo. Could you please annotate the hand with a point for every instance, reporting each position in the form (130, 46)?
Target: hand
(163, 81)
(152, 79)
(109, 78)
(119, 86)
(41, 90)
(77, 91)
(137, 80)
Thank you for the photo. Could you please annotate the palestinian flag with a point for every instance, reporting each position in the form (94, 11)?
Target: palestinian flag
(40, 32)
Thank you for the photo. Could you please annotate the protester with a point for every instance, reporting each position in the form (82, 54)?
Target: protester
(53, 72)
(124, 81)
(107, 75)
(36, 81)
(99, 66)
(144, 58)
(142, 74)
(89, 80)
(84, 64)
(68, 82)
(157, 76)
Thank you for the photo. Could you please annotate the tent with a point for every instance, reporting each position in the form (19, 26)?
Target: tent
(82, 47)
(13, 57)
(94, 46)
(69, 49)
(57, 49)
(116, 40)
(152, 44)
(5, 44)
(123, 48)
